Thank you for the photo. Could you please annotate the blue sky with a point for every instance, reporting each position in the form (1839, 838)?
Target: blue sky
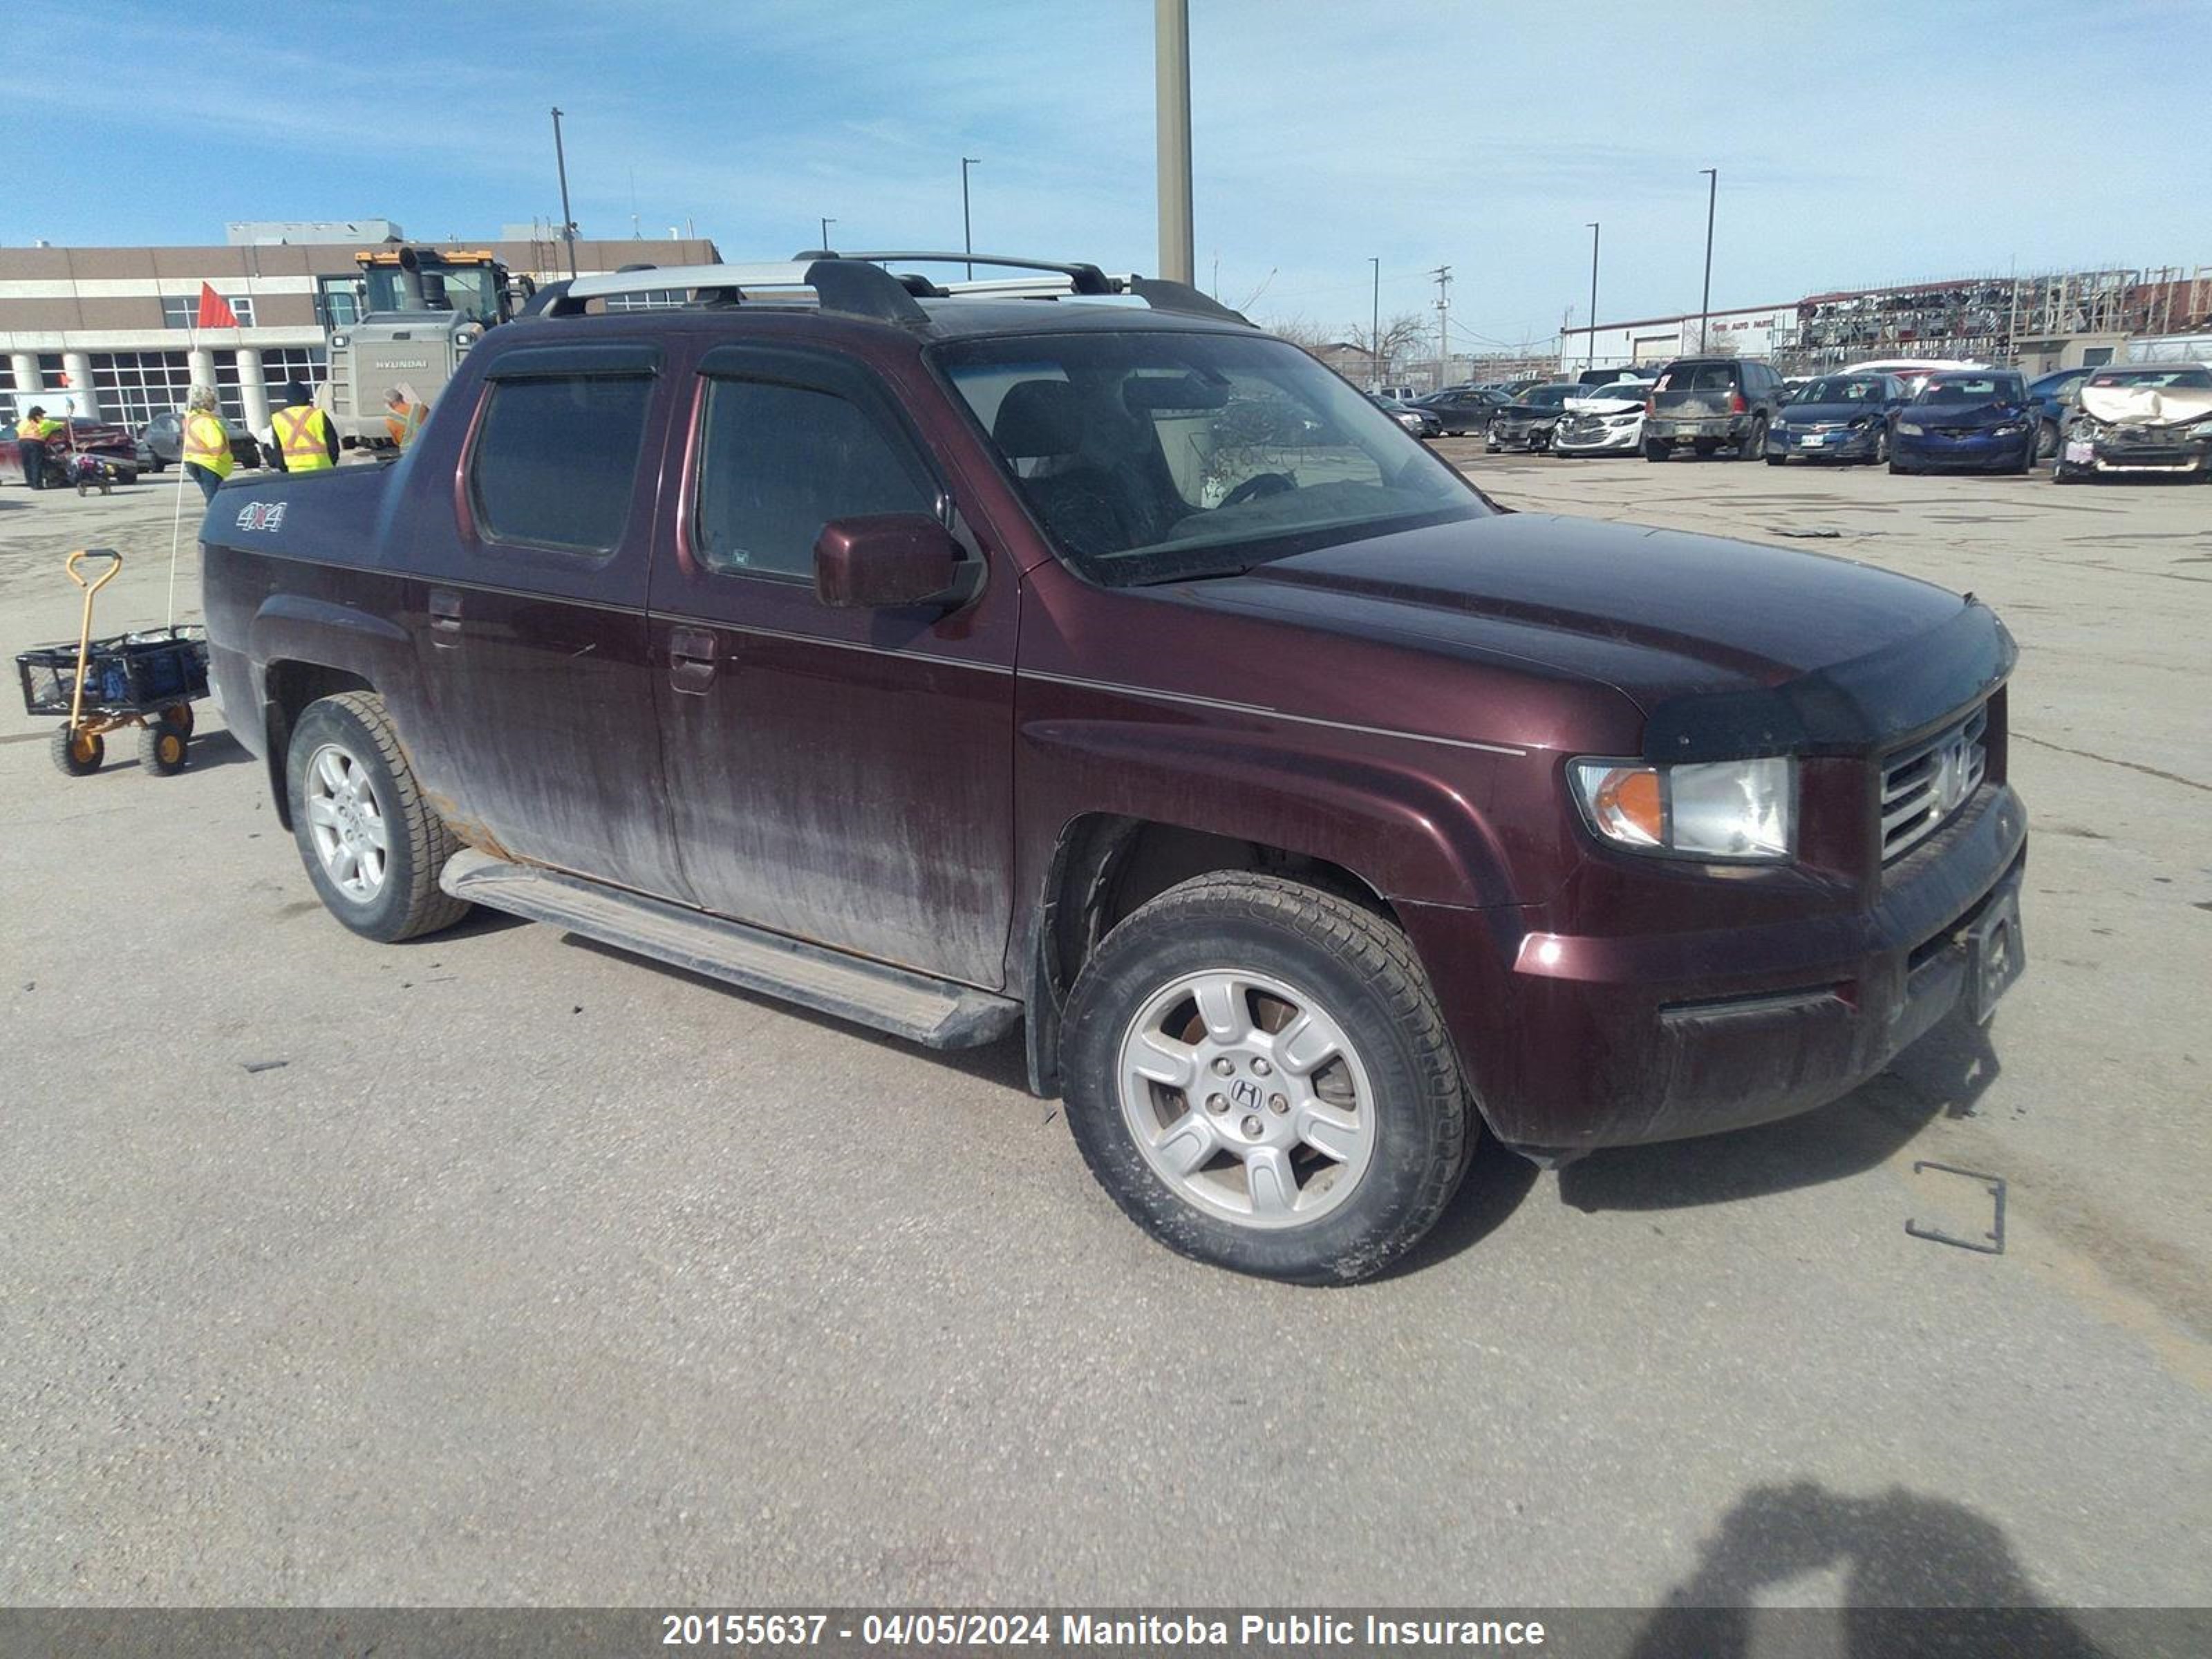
(1858, 143)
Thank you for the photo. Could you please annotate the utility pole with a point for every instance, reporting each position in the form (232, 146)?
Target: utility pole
(1171, 70)
(567, 218)
(1374, 330)
(1705, 305)
(966, 230)
(826, 223)
(1593, 310)
(1443, 274)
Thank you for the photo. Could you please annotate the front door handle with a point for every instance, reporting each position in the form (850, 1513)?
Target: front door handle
(691, 652)
(445, 618)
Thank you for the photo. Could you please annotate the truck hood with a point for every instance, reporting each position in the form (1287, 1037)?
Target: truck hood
(1688, 627)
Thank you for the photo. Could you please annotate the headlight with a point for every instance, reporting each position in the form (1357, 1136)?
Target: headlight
(2201, 430)
(2012, 429)
(1719, 810)
(1911, 428)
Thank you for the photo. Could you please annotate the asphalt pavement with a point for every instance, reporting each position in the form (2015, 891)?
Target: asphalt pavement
(501, 1268)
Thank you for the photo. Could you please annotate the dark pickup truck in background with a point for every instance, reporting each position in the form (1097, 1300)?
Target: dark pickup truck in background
(957, 663)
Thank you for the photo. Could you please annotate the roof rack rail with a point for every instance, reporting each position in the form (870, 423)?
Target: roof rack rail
(860, 285)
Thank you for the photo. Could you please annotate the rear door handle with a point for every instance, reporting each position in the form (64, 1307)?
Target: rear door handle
(691, 652)
(445, 618)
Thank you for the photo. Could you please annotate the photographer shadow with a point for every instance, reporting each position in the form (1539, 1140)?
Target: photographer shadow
(1920, 1575)
(1945, 1075)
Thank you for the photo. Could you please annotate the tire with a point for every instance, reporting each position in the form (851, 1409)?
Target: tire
(1754, 441)
(2027, 449)
(1658, 449)
(77, 756)
(1880, 446)
(1705, 448)
(1777, 460)
(1268, 948)
(1898, 468)
(2046, 441)
(162, 749)
(372, 846)
(2064, 474)
(179, 714)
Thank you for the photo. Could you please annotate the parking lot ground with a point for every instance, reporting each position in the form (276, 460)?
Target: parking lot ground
(501, 1269)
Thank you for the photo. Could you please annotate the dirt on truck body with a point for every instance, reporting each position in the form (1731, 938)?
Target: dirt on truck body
(966, 660)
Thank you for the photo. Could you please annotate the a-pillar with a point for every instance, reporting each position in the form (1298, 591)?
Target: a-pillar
(77, 365)
(252, 392)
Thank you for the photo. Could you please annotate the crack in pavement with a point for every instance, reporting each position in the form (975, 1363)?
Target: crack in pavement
(2132, 766)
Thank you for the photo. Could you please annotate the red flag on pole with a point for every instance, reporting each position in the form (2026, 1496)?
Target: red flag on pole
(215, 310)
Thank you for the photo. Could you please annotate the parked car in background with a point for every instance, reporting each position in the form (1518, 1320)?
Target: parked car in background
(2139, 420)
(1913, 371)
(1461, 409)
(161, 443)
(106, 442)
(1714, 405)
(1528, 421)
(1837, 417)
(1421, 422)
(2052, 395)
(1603, 420)
(1973, 419)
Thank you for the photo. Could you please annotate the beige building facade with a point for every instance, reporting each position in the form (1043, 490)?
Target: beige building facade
(111, 330)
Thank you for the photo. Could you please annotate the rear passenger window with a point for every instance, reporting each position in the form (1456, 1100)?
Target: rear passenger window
(556, 460)
(776, 463)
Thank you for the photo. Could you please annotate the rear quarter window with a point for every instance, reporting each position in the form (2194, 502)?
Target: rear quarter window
(555, 463)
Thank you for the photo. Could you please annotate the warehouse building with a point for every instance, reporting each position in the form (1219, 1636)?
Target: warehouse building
(111, 333)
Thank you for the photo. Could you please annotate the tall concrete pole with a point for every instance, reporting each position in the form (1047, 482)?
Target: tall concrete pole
(567, 218)
(1374, 330)
(1592, 315)
(1171, 64)
(1705, 305)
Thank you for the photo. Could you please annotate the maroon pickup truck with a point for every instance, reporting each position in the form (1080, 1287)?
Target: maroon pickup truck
(1067, 653)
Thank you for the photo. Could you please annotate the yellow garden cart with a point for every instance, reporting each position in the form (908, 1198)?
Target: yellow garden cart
(148, 679)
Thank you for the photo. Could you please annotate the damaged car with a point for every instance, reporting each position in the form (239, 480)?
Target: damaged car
(1837, 417)
(1529, 420)
(2149, 420)
(1977, 420)
(1605, 420)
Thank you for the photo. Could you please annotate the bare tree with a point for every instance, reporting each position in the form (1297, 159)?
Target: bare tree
(1307, 335)
(1404, 335)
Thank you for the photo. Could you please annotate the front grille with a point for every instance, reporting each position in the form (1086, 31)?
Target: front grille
(1923, 785)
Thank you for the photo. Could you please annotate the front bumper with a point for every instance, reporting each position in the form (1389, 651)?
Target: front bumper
(1576, 1044)
(1974, 452)
(1845, 444)
(2145, 457)
(1605, 440)
(1520, 435)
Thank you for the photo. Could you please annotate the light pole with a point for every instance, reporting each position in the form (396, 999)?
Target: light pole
(1705, 305)
(826, 223)
(1593, 310)
(966, 230)
(1374, 330)
(1171, 84)
(567, 218)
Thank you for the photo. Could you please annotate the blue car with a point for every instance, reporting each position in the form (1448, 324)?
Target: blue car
(1977, 420)
(1837, 417)
(2053, 397)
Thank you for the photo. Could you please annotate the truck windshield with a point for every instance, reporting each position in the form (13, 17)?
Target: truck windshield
(1161, 457)
(468, 290)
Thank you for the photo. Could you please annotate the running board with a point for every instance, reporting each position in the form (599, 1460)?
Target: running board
(932, 1012)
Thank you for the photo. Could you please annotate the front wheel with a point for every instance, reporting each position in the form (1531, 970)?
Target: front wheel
(77, 754)
(163, 749)
(1777, 460)
(1658, 449)
(1258, 1074)
(372, 845)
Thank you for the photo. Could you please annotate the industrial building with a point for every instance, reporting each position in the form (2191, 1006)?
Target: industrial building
(2053, 320)
(111, 332)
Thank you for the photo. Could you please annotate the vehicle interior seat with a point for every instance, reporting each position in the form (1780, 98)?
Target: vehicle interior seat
(1040, 428)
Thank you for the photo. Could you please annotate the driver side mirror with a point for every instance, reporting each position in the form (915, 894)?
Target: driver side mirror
(885, 560)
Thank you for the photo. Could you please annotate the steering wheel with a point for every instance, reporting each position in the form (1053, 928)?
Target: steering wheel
(1259, 484)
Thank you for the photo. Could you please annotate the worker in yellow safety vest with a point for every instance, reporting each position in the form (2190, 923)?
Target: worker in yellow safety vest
(206, 452)
(31, 434)
(403, 418)
(305, 439)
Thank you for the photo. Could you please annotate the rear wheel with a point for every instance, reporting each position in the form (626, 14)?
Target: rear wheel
(1658, 449)
(2046, 441)
(372, 845)
(1754, 441)
(78, 754)
(1258, 1074)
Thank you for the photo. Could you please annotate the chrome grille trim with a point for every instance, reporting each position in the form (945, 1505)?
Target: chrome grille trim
(1923, 786)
